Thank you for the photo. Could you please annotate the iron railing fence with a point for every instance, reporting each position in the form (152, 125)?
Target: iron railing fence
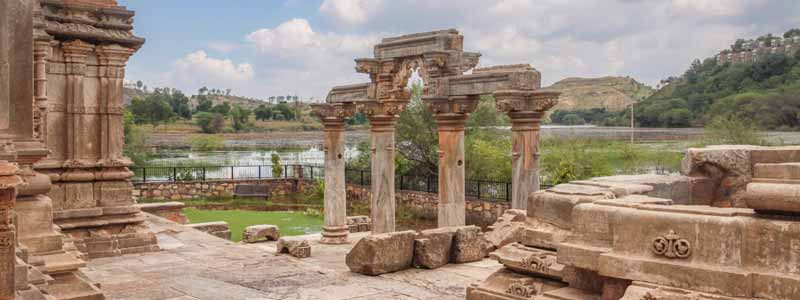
(480, 189)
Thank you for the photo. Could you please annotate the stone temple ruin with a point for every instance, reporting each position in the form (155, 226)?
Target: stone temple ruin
(448, 93)
(728, 228)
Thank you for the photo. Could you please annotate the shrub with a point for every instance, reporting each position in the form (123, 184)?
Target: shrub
(733, 130)
(277, 169)
(204, 142)
(210, 122)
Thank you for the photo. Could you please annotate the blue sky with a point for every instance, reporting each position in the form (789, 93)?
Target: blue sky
(260, 48)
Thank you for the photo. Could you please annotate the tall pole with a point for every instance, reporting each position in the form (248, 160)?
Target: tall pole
(633, 124)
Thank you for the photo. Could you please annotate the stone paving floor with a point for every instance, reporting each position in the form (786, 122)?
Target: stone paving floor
(195, 265)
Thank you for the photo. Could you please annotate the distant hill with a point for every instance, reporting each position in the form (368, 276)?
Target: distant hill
(611, 93)
(248, 103)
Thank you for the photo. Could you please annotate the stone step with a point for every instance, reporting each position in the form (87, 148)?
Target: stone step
(568, 294)
(773, 197)
(785, 171)
(505, 284)
(72, 287)
(61, 262)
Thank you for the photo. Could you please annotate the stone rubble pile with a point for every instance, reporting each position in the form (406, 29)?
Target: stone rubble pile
(260, 233)
(294, 246)
(391, 252)
(359, 224)
(727, 229)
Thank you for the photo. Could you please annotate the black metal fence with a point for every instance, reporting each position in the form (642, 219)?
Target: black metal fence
(481, 189)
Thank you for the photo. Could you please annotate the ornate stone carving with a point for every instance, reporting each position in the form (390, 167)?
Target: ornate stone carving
(521, 101)
(339, 111)
(521, 289)
(539, 261)
(671, 245)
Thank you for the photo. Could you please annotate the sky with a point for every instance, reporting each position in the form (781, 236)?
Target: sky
(262, 48)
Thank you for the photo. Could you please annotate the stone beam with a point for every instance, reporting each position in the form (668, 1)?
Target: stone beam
(526, 109)
(419, 43)
(484, 81)
(351, 93)
(91, 20)
(333, 117)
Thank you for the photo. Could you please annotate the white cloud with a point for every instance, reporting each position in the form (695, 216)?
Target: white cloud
(712, 7)
(223, 47)
(350, 11)
(198, 69)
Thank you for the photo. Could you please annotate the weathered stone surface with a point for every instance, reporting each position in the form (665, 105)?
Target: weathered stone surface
(469, 245)
(294, 246)
(172, 211)
(432, 247)
(508, 285)
(219, 229)
(382, 253)
(773, 198)
(507, 229)
(259, 233)
(783, 171)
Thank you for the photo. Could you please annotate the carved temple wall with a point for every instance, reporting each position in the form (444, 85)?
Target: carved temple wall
(82, 50)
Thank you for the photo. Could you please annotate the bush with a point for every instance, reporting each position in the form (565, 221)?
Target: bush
(210, 122)
(135, 141)
(204, 142)
(733, 131)
(277, 169)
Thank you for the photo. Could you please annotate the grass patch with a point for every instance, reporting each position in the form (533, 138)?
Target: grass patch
(290, 223)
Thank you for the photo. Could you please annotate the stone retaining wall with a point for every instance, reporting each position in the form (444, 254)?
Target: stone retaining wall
(177, 191)
(479, 212)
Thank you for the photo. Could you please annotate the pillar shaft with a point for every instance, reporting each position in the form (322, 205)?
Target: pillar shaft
(8, 192)
(382, 203)
(452, 201)
(335, 230)
(524, 159)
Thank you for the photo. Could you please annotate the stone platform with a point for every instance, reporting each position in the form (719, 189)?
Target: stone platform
(195, 265)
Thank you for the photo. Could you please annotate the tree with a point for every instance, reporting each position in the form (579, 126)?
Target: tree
(573, 119)
(791, 33)
(151, 109)
(263, 113)
(202, 91)
(285, 111)
(139, 84)
(223, 108)
(417, 136)
(239, 117)
(203, 104)
(210, 122)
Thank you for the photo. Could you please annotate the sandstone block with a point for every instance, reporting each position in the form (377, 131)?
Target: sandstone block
(432, 247)
(507, 229)
(772, 197)
(294, 246)
(382, 253)
(258, 233)
(468, 245)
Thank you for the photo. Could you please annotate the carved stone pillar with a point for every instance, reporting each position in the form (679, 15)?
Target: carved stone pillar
(8, 192)
(111, 72)
(451, 115)
(75, 54)
(525, 108)
(382, 118)
(41, 51)
(333, 117)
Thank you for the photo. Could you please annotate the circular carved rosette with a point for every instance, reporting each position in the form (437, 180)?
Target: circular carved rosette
(671, 245)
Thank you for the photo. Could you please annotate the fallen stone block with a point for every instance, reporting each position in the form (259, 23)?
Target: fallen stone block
(294, 246)
(432, 247)
(469, 245)
(507, 229)
(259, 233)
(382, 253)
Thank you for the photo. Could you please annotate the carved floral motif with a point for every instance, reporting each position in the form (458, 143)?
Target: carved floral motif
(671, 245)
(539, 261)
(521, 289)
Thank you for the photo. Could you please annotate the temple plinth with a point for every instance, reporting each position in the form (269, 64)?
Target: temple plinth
(451, 115)
(525, 108)
(333, 118)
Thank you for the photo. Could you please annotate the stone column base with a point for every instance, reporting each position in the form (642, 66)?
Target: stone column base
(334, 235)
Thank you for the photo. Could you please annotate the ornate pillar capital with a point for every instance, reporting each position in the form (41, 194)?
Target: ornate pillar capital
(451, 112)
(333, 115)
(525, 107)
(382, 115)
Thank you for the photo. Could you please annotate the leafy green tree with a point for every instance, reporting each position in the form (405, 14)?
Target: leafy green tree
(223, 108)
(203, 104)
(792, 32)
(263, 113)
(284, 110)
(135, 141)
(210, 122)
(151, 110)
(417, 136)
(573, 119)
(240, 117)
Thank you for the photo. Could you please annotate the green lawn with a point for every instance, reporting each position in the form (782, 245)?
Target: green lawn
(290, 223)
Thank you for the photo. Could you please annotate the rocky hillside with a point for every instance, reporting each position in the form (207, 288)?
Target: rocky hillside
(613, 93)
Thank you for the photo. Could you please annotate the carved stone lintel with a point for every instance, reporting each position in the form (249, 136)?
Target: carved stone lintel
(334, 112)
(511, 101)
(671, 245)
